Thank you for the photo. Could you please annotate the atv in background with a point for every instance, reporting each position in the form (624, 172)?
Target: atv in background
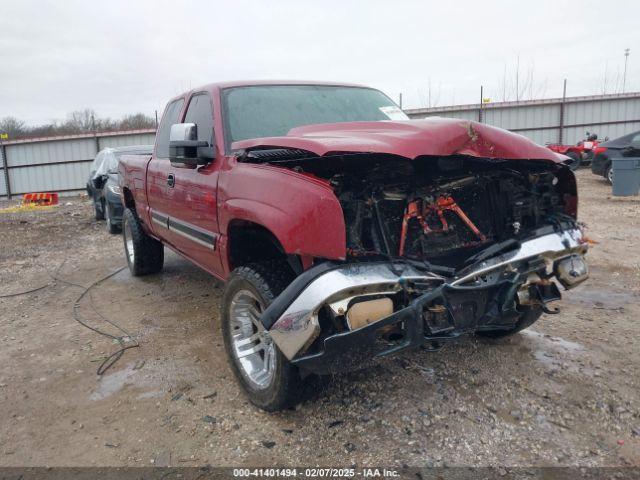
(580, 153)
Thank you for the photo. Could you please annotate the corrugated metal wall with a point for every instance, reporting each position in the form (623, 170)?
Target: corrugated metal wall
(553, 120)
(3, 185)
(60, 164)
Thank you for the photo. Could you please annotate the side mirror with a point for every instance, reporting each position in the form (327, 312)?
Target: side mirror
(185, 148)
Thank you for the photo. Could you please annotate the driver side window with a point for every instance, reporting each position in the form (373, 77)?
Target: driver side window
(200, 112)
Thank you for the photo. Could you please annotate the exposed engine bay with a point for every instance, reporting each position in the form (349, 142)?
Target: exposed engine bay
(437, 209)
(436, 247)
(443, 210)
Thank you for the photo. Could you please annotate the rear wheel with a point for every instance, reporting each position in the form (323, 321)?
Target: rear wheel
(575, 160)
(608, 174)
(529, 316)
(270, 381)
(144, 254)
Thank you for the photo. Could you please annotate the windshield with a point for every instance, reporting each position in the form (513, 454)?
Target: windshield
(273, 110)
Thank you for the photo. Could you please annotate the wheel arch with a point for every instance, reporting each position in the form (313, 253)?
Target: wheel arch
(128, 200)
(250, 242)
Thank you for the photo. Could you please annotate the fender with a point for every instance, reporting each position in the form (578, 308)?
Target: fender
(302, 212)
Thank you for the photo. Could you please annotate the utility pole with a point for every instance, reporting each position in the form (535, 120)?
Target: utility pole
(400, 100)
(518, 79)
(561, 126)
(624, 75)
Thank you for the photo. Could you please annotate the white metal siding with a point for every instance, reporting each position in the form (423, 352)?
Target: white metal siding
(49, 178)
(608, 116)
(50, 152)
(140, 139)
(55, 165)
(3, 187)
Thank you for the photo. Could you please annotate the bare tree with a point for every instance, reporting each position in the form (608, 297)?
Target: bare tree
(82, 121)
(136, 121)
(12, 126)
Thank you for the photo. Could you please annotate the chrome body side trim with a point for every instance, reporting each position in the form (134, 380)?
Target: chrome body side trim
(202, 237)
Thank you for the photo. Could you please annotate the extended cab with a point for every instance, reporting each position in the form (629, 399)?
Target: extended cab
(346, 232)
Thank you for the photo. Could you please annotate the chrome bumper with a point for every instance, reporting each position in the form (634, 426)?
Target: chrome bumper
(298, 326)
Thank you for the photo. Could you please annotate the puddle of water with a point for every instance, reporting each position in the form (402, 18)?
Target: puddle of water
(151, 394)
(555, 352)
(553, 343)
(150, 379)
(113, 382)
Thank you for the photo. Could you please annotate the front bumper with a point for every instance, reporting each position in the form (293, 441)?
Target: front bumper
(115, 206)
(482, 296)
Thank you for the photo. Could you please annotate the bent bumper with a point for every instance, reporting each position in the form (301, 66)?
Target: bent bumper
(481, 296)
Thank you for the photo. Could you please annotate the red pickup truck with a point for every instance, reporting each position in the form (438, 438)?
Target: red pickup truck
(345, 231)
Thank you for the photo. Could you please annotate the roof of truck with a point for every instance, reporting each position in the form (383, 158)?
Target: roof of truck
(211, 87)
(250, 83)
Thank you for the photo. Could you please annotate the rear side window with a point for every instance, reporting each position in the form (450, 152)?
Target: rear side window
(169, 118)
(200, 112)
(635, 141)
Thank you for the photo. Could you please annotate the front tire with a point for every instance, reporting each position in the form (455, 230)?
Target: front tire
(145, 255)
(108, 213)
(98, 208)
(529, 316)
(270, 381)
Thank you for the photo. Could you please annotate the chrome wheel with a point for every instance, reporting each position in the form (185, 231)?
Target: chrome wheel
(610, 175)
(253, 349)
(128, 243)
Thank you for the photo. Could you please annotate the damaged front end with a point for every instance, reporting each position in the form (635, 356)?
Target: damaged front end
(337, 316)
(436, 247)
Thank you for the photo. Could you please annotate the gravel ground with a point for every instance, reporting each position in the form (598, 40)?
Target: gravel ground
(564, 392)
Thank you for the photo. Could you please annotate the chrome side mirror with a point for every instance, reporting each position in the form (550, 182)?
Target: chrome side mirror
(183, 132)
(185, 148)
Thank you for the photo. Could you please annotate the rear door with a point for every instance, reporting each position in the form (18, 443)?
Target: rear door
(195, 217)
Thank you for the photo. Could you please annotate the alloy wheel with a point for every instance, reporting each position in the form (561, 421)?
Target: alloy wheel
(253, 349)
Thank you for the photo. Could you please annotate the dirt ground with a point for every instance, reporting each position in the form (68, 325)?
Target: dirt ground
(565, 392)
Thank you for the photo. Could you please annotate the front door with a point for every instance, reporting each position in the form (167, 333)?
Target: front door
(195, 213)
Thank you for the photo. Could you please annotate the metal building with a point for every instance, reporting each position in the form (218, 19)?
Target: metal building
(552, 120)
(58, 164)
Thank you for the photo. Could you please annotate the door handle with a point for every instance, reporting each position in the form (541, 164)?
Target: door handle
(171, 180)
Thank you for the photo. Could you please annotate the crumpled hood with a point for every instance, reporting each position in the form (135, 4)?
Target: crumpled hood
(410, 138)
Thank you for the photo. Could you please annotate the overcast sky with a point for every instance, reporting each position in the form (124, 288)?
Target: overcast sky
(121, 57)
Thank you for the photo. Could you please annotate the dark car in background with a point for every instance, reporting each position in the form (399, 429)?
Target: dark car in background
(103, 184)
(625, 146)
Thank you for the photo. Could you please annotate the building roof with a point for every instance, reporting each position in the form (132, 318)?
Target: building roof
(53, 138)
